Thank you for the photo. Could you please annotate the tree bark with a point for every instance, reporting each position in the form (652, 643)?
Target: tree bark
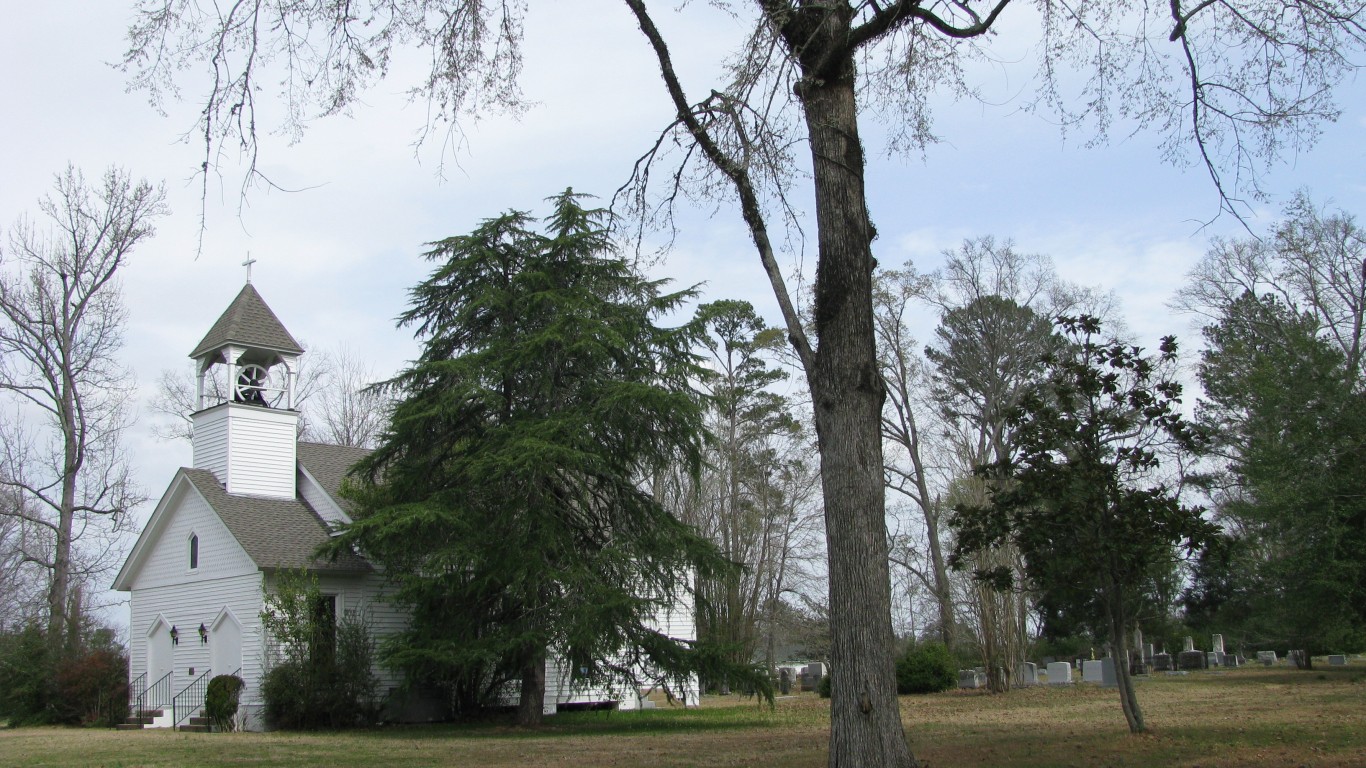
(531, 703)
(1128, 699)
(847, 393)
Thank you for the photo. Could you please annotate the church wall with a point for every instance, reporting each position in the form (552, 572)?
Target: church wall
(186, 607)
(211, 442)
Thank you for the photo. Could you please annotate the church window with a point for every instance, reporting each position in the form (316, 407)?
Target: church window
(194, 551)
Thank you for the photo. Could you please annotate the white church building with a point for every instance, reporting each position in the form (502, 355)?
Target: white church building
(256, 501)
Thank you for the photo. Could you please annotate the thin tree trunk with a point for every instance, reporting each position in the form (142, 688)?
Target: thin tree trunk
(1133, 713)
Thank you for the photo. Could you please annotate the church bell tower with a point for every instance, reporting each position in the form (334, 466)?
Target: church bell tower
(245, 421)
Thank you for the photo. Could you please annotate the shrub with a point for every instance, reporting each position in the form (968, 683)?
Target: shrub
(925, 668)
(321, 672)
(823, 687)
(92, 688)
(220, 701)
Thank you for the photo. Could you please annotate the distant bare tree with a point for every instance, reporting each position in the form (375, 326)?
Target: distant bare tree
(346, 409)
(61, 326)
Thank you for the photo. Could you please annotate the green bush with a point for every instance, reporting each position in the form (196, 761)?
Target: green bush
(321, 671)
(220, 701)
(823, 687)
(925, 668)
(43, 684)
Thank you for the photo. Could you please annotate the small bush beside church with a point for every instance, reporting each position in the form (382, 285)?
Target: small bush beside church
(925, 668)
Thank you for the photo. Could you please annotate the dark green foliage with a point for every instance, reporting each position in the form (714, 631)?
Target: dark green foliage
(1097, 524)
(220, 701)
(925, 668)
(25, 677)
(1291, 417)
(40, 684)
(507, 501)
(823, 687)
(323, 672)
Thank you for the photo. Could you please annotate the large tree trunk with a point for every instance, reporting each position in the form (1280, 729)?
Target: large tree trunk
(847, 395)
(531, 704)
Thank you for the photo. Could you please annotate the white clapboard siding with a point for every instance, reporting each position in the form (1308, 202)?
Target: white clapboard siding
(187, 608)
(367, 597)
(249, 448)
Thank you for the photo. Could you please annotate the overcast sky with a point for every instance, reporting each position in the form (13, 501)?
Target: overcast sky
(334, 259)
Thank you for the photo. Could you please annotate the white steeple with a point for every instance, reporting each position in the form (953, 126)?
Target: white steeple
(247, 435)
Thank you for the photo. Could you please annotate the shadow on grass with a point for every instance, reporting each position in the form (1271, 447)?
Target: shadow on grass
(602, 723)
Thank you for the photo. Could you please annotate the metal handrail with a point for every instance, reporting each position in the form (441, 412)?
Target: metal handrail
(160, 687)
(195, 692)
(137, 688)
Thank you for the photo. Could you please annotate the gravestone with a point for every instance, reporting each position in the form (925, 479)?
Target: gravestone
(1090, 671)
(784, 681)
(1108, 676)
(1148, 653)
(1267, 658)
(1212, 659)
(1028, 674)
(1190, 644)
(1162, 662)
(811, 676)
(1337, 660)
(1189, 660)
(1218, 643)
(1059, 673)
(971, 678)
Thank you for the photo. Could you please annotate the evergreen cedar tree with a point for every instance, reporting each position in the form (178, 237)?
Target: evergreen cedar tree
(1288, 412)
(1237, 81)
(1081, 499)
(506, 501)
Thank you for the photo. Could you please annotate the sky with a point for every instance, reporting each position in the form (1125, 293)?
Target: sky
(335, 256)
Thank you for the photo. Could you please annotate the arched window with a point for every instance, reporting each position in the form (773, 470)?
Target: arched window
(194, 551)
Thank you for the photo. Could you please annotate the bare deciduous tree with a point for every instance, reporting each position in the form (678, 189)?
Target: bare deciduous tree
(61, 326)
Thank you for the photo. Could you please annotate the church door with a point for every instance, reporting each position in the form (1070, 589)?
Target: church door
(160, 661)
(225, 643)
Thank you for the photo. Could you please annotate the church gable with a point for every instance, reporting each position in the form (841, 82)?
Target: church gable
(185, 542)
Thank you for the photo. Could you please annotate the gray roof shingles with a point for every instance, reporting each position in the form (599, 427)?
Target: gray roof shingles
(328, 464)
(249, 322)
(276, 533)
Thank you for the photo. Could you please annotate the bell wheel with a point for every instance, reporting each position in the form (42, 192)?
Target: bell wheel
(256, 386)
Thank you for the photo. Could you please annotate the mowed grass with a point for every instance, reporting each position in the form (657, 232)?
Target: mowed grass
(1252, 716)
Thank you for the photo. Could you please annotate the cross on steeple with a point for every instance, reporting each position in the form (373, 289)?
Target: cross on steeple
(248, 264)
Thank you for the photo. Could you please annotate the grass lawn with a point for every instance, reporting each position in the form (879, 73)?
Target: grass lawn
(1252, 716)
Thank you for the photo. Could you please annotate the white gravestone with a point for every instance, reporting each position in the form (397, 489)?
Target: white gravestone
(1267, 658)
(1059, 673)
(1190, 643)
(1218, 642)
(1090, 671)
(1028, 673)
(1337, 660)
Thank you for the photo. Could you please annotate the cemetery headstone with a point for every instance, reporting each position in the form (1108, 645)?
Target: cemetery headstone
(1212, 659)
(785, 681)
(1028, 673)
(971, 678)
(1189, 660)
(1218, 642)
(1190, 644)
(1090, 671)
(1267, 658)
(1162, 662)
(1108, 676)
(1059, 673)
(1148, 653)
(1337, 660)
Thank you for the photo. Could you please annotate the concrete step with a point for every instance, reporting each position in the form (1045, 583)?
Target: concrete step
(128, 726)
(189, 728)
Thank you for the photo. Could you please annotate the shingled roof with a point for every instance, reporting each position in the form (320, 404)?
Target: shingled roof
(275, 533)
(249, 322)
(328, 464)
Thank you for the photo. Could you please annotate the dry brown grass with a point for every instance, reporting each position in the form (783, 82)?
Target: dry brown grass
(1246, 717)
